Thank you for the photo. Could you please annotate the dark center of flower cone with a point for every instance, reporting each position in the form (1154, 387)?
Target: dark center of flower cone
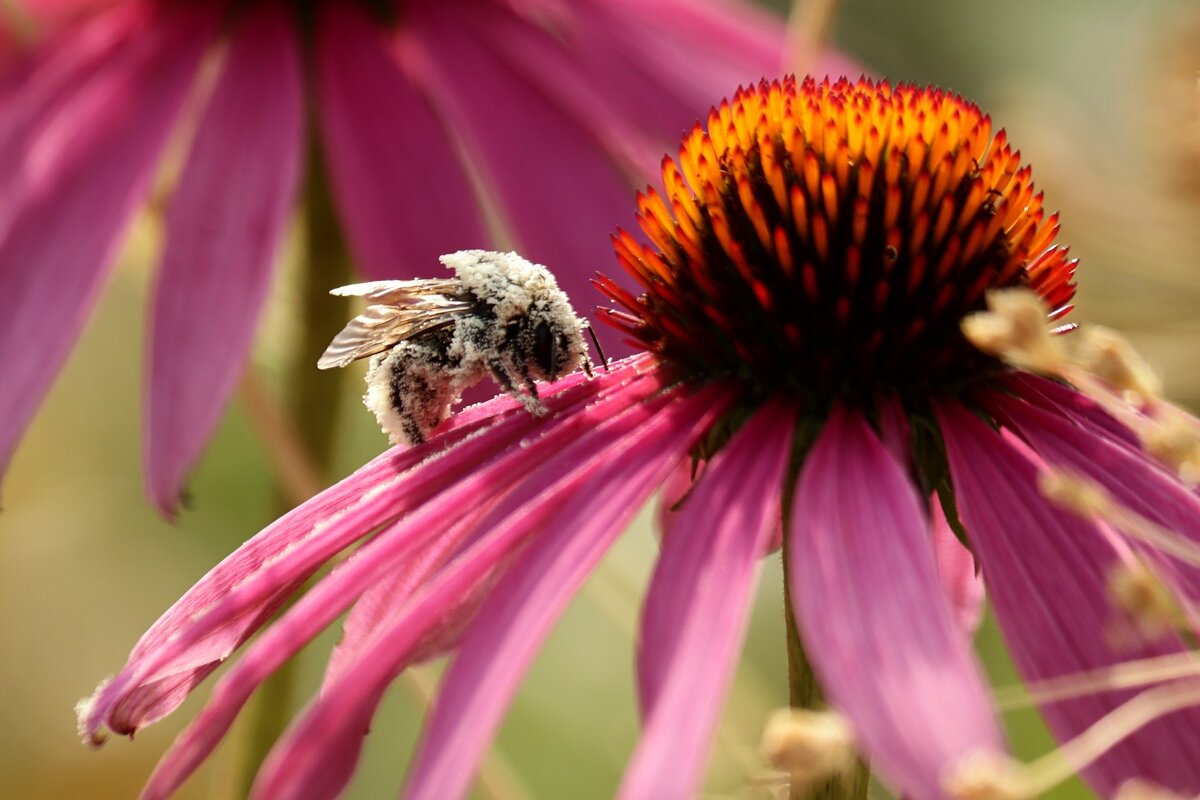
(827, 239)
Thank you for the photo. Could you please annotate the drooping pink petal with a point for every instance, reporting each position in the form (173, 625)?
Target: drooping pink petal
(81, 178)
(207, 624)
(217, 614)
(402, 195)
(317, 754)
(523, 608)
(1046, 573)
(228, 604)
(223, 226)
(399, 548)
(280, 642)
(695, 614)
(874, 619)
(525, 144)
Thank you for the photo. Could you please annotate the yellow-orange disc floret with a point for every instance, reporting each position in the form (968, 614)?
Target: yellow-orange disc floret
(829, 237)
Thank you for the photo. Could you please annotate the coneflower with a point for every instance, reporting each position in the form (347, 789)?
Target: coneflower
(810, 259)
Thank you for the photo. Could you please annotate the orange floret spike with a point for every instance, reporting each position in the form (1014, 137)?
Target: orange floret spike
(829, 193)
(827, 236)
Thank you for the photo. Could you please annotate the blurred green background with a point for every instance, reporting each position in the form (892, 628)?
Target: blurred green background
(1102, 99)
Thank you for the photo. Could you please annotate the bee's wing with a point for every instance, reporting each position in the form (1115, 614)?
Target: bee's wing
(399, 310)
(397, 293)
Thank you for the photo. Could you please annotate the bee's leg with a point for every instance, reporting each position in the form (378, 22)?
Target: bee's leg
(501, 376)
(412, 430)
(530, 401)
(534, 400)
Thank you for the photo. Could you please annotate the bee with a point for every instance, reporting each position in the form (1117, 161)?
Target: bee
(429, 340)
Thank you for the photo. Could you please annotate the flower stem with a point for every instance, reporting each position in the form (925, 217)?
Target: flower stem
(805, 692)
(322, 263)
(808, 26)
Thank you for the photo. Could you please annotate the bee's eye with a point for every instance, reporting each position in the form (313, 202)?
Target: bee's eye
(543, 349)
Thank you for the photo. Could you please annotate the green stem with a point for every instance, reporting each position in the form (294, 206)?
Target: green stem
(805, 692)
(311, 395)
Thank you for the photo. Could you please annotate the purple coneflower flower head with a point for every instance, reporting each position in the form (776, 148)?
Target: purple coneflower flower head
(808, 378)
(426, 112)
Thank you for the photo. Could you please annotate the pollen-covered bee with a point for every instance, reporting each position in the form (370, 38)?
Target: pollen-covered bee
(431, 339)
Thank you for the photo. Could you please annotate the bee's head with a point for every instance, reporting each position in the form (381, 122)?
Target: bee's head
(546, 342)
(551, 351)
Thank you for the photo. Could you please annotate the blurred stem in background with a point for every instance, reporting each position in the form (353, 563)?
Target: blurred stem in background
(301, 440)
(17, 21)
(808, 26)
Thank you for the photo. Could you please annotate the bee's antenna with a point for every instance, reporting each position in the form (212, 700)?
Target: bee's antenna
(599, 350)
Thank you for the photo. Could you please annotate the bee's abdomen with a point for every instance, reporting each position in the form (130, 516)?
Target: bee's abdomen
(411, 388)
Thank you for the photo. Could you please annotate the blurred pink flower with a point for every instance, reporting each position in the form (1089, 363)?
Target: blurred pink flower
(786, 352)
(532, 100)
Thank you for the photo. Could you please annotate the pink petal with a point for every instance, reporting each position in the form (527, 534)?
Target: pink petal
(468, 470)
(701, 50)
(560, 192)
(223, 227)
(403, 197)
(873, 616)
(675, 491)
(37, 85)
(695, 613)
(525, 605)
(957, 570)
(83, 171)
(1136, 482)
(387, 596)
(1046, 571)
(317, 754)
(558, 60)
(1063, 400)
